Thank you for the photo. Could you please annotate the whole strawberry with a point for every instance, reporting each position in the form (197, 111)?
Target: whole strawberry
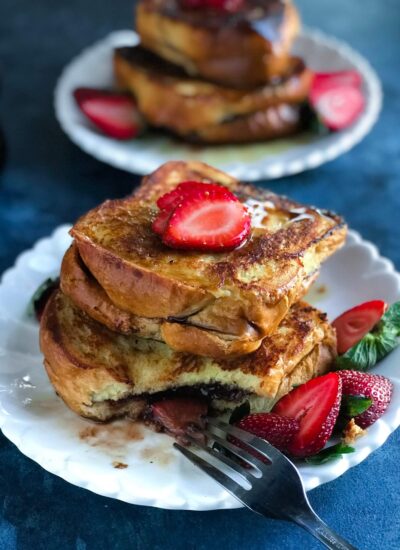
(378, 388)
(277, 430)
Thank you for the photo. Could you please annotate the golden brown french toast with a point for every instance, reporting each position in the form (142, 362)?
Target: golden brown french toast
(197, 109)
(214, 304)
(243, 50)
(101, 374)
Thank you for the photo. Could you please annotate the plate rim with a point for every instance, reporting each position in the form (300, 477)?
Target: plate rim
(324, 151)
(388, 423)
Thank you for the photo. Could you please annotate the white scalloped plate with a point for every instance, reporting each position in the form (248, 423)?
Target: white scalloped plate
(93, 68)
(83, 453)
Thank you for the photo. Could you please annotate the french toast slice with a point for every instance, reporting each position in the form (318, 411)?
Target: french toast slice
(209, 302)
(81, 287)
(244, 49)
(193, 108)
(101, 374)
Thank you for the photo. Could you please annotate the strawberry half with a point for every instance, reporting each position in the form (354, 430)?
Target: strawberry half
(277, 430)
(315, 405)
(337, 106)
(376, 387)
(209, 223)
(178, 414)
(115, 114)
(356, 322)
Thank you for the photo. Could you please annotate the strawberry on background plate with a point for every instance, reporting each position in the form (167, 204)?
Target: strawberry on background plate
(337, 98)
(338, 78)
(315, 405)
(352, 325)
(360, 384)
(114, 114)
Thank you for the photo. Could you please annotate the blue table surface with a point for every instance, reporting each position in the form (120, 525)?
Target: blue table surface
(48, 181)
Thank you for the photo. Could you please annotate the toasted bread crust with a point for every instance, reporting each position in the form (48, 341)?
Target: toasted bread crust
(256, 283)
(231, 54)
(169, 99)
(100, 374)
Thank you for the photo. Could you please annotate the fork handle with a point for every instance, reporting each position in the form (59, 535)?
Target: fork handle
(316, 527)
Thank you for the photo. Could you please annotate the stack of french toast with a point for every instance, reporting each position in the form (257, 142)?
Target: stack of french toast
(137, 322)
(217, 71)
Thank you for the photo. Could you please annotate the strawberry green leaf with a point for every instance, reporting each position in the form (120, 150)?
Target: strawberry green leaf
(330, 453)
(353, 405)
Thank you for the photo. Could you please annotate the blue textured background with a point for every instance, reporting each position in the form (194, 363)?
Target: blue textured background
(47, 181)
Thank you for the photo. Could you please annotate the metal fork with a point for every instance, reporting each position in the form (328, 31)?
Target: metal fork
(272, 489)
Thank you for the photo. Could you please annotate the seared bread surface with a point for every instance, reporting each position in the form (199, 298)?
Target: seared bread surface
(222, 47)
(101, 374)
(211, 304)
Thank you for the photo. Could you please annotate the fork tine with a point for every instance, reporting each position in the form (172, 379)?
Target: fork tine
(260, 445)
(220, 477)
(245, 474)
(241, 453)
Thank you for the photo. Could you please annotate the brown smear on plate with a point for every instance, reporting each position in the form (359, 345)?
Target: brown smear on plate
(114, 437)
(159, 454)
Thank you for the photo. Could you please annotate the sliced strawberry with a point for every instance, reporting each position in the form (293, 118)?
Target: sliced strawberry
(161, 222)
(315, 405)
(178, 414)
(376, 387)
(208, 223)
(170, 200)
(277, 430)
(115, 114)
(356, 322)
(338, 106)
(323, 81)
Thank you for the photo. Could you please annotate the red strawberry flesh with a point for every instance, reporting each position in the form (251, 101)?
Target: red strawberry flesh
(338, 78)
(208, 224)
(113, 113)
(352, 325)
(177, 415)
(338, 106)
(277, 430)
(171, 200)
(315, 405)
(376, 387)
(161, 222)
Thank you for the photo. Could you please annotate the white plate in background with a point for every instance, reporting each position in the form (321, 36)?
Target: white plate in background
(250, 162)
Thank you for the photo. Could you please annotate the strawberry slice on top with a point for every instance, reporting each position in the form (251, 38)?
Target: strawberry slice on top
(208, 224)
(315, 405)
(201, 216)
(189, 188)
(352, 325)
(114, 114)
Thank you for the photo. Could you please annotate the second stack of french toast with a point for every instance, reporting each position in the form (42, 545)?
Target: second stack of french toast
(142, 317)
(217, 71)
